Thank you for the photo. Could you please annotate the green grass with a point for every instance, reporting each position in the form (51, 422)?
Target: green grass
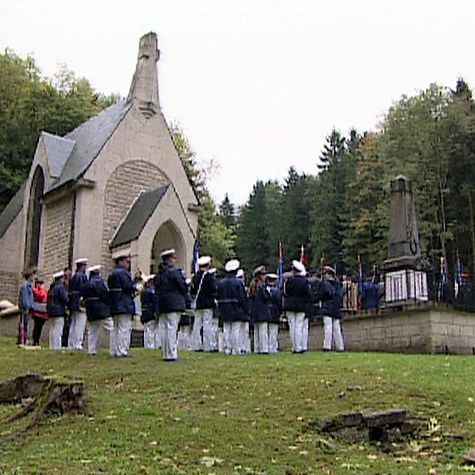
(211, 413)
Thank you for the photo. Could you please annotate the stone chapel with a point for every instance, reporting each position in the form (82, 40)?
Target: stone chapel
(114, 183)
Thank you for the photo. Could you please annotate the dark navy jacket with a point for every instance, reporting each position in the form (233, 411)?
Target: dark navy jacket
(332, 298)
(297, 296)
(96, 296)
(260, 304)
(208, 290)
(171, 287)
(232, 300)
(121, 291)
(57, 300)
(149, 305)
(275, 305)
(76, 286)
(370, 297)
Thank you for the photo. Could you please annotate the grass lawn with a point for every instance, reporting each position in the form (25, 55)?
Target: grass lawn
(211, 413)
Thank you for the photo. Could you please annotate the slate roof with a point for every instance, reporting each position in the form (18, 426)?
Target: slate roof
(12, 209)
(58, 149)
(138, 215)
(90, 137)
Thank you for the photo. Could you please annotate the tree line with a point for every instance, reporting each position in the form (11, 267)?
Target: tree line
(339, 213)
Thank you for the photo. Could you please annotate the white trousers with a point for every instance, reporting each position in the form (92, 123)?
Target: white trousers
(333, 333)
(94, 328)
(196, 333)
(261, 337)
(233, 338)
(205, 322)
(273, 337)
(77, 328)
(55, 332)
(296, 327)
(151, 335)
(168, 323)
(306, 327)
(246, 338)
(122, 329)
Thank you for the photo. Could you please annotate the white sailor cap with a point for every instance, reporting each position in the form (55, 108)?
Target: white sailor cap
(94, 268)
(121, 255)
(329, 270)
(298, 266)
(146, 278)
(168, 252)
(272, 276)
(204, 261)
(213, 270)
(82, 260)
(59, 274)
(232, 265)
(240, 273)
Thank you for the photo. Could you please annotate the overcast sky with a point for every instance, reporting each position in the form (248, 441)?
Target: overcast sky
(256, 84)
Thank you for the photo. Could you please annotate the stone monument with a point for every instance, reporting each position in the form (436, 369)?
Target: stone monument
(405, 274)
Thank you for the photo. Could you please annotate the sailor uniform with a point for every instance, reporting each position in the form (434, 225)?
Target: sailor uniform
(332, 296)
(172, 289)
(56, 308)
(78, 318)
(122, 308)
(96, 297)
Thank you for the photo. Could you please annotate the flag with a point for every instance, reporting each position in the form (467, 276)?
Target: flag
(280, 267)
(196, 256)
(303, 256)
(360, 283)
(443, 278)
(458, 271)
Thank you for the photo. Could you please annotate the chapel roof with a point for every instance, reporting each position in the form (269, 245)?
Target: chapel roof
(89, 139)
(58, 149)
(138, 215)
(10, 211)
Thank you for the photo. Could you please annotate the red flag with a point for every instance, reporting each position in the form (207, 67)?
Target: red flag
(303, 256)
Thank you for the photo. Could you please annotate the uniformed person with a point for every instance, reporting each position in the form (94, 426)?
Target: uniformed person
(296, 300)
(122, 292)
(170, 283)
(260, 301)
(204, 291)
(56, 308)
(97, 301)
(275, 312)
(148, 317)
(332, 297)
(77, 312)
(233, 308)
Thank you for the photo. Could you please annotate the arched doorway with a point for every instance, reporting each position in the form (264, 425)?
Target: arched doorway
(35, 211)
(168, 236)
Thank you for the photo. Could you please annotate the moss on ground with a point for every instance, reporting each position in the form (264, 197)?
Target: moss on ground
(256, 414)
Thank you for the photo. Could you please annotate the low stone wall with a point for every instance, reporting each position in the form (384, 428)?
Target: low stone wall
(9, 286)
(427, 330)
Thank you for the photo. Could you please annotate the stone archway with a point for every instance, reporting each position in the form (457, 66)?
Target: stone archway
(168, 236)
(35, 212)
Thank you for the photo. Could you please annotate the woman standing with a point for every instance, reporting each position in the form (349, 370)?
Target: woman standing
(39, 314)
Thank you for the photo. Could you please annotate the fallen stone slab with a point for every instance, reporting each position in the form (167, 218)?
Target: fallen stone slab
(349, 419)
(387, 418)
(469, 458)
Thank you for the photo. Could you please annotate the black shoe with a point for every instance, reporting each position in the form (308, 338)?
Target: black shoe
(169, 360)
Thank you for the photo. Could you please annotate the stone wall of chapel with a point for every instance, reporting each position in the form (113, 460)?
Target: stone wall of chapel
(122, 188)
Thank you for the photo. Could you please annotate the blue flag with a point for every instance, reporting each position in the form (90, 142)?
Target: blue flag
(196, 256)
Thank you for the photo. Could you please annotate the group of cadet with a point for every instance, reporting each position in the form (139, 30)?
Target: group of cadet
(225, 312)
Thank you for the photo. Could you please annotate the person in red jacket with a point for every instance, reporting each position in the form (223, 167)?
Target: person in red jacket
(39, 313)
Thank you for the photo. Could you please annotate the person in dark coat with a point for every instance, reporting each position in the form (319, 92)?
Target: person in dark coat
(122, 308)
(148, 317)
(233, 308)
(275, 311)
(172, 289)
(97, 302)
(25, 304)
(260, 301)
(332, 299)
(39, 313)
(296, 301)
(204, 291)
(56, 308)
(77, 312)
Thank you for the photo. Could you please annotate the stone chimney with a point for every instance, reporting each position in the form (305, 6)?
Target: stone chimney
(144, 87)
